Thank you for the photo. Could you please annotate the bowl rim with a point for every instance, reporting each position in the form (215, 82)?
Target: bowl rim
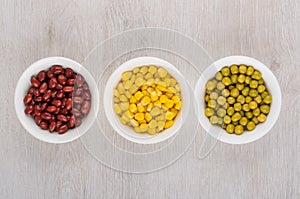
(127, 132)
(20, 92)
(261, 129)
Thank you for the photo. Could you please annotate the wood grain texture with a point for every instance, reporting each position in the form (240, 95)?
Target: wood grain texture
(267, 30)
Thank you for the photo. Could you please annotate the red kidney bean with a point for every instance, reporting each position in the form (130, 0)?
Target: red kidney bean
(79, 92)
(36, 92)
(37, 110)
(62, 129)
(60, 94)
(56, 67)
(71, 123)
(50, 74)
(86, 95)
(59, 86)
(52, 126)
(57, 111)
(27, 98)
(79, 81)
(43, 106)
(43, 87)
(58, 71)
(47, 95)
(77, 106)
(62, 79)
(68, 89)
(28, 109)
(85, 86)
(78, 100)
(38, 119)
(42, 76)
(64, 111)
(62, 118)
(71, 82)
(38, 98)
(44, 125)
(30, 91)
(69, 72)
(76, 112)
(58, 124)
(51, 109)
(52, 83)
(56, 103)
(35, 82)
(78, 122)
(46, 116)
(85, 107)
(69, 104)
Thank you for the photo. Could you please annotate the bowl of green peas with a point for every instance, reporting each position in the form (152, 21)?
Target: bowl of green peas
(238, 99)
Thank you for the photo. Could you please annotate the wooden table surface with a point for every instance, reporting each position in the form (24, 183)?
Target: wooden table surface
(267, 30)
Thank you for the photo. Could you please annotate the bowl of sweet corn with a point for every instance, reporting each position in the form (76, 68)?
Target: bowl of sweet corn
(144, 100)
(238, 99)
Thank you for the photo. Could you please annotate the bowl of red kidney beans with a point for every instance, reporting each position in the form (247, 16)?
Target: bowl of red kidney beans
(56, 100)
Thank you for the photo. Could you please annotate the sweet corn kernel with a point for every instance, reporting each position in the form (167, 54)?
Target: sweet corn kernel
(169, 95)
(164, 107)
(152, 131)
(160, 118)
(132, 100)
(123, 98)
(134, 123)
(161, 88)
(136, 70)
(133, 89)
(137, 129)
(133, 108)
(126, 119)
(117, 109)
(145, 93)
(143, 121)
(168, 124)
(160, 125)
(126, 75)
(123, 121)
(140, 81)
(149, 107)
(177, 87)
(148, 117)
(172, 90)
(153, 96)
(173, 82)
(150, 82)
(121, 88)
(144, 87)
(170, 115)
(116, 93)
(145, 101)
(124, 106)
(129, 114)
(144, 70)
(116, 100)
(169, 103)
(152, 69)
(157, 103)
(144, 127)
(139, 116)
(141, 108)
(162, 83)
(178, 105)
(152, 124)
(128, 94)
(148, 76)
(163, 98)
(138, 95)
(139, 75)
(155, 111)
(168, 81)
(162, 72)
(128, 84)
(175, 99)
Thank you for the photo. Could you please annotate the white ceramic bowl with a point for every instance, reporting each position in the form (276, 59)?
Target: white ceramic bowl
(29, 123)
(262, 128)
(126, 131)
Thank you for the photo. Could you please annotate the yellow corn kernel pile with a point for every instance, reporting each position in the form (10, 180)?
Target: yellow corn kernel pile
(148, 99)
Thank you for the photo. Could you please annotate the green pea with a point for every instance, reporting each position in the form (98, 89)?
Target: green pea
(226, 119)
(210, 85)
(240, 86)
(268, 99)
(250, 70)
(230, 100)
(226, 81)
(252, 105)
(243, 121)
(230, 111)
(226, 105)
(240, 99)
(242, 113)
(255, 120)
(253, 84)
(206, 98)
(243, 69)
(221, 112)
(234, 79)
(249, 115)
(231, 87)
(219, 76)
(234, 92)
(225, 71)
(220, 121)
(221, 100)
(234, 69)
(213, 119)
(258, 99)
(241, 79)
(239, 129)
(253, 93)
(261, 81)
(212, 103)
(256, 75)
(248, 99)
(248, 80)
(230, 128)
(235, 123)
(261, 88)
(236, 117)
(250, 126)
(209, 112)
(220, 86)
(213, 95)
(237, 106)
(246, 107)
(262, 117)
(224, 126)
(225, 92)
(264, 94)
(265, 109)
(245, 91)
(256, 112)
